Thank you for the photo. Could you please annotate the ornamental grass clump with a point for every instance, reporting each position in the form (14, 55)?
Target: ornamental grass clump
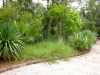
(47, 50)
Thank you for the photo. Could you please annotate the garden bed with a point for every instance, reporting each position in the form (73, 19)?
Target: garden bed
(6, 64)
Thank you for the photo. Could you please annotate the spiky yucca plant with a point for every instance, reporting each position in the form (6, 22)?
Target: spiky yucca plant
(10, 42)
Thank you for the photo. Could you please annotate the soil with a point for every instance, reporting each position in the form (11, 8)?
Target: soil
(4, 64)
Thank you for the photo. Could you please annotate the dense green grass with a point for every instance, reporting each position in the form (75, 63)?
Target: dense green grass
(47, 50)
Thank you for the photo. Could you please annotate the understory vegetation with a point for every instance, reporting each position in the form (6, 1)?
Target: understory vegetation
(47, 51)
(82, 40)
(31, 30)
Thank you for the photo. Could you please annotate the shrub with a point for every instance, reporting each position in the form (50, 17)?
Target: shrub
(73, 23)
(10, 42)
(89, 25)
(7, 14)
(98, 31)
(82, 40)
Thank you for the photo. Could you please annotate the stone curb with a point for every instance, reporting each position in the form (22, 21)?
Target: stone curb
(32, 62)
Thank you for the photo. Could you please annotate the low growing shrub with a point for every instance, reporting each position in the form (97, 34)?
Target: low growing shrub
(89, 25)
(82, 40)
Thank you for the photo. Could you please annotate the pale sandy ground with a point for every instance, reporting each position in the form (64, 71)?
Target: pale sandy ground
(88, 64)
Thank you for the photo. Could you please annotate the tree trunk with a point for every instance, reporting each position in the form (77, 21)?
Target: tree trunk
(49, 24)
(59, 28)
(47, 4)
(7, 3)
(49, 28)
(3, 3)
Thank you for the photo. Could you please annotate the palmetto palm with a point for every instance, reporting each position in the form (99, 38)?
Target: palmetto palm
(10, 42)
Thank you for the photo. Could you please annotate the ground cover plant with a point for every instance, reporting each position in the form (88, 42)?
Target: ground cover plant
(47, 50)
(82, 40)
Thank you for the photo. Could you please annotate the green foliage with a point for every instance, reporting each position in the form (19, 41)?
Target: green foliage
(98, 31)
(7, 14)
(89, 25)
(25, 17)
(29, 27)
(10, 13)
(34, 29)
(10, 42)
(57, 11)
(32, 21)
(39, 9)
(82, 40)
(47, 50)
(90, 11)
(72, 22)
(70, 19)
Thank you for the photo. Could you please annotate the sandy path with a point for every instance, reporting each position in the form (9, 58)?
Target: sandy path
(88, 64)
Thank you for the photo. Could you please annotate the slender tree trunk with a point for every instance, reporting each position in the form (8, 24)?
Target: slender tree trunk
(59, 28)
(3, 3)
(49, 28)
(49, 23)
(53, 1)
(7, 3)
(47, 2)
